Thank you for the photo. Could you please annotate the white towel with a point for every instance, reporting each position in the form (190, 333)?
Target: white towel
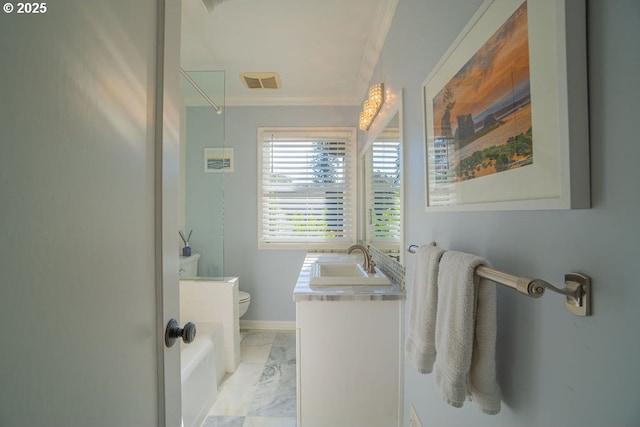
(466, 334)
(420, 345)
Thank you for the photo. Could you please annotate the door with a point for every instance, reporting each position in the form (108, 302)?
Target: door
(88, 146)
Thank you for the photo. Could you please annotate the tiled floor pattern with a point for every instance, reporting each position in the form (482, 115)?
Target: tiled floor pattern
(262, 391)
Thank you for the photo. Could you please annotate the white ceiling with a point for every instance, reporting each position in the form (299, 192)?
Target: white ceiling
(324, 50)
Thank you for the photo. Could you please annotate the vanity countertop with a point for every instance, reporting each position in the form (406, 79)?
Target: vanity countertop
(303, 292)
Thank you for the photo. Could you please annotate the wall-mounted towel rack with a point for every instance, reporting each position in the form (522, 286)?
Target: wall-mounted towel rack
(577, 288)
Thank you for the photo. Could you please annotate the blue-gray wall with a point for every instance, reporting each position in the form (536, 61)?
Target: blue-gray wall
(555, 369)
(269, 275)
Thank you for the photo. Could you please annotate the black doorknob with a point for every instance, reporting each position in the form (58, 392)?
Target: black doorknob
(173, 332)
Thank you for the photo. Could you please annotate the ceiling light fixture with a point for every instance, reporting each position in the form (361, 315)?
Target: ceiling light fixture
(371, 106)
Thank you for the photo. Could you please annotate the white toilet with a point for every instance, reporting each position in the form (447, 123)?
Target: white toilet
(244, 298)
(189, 266)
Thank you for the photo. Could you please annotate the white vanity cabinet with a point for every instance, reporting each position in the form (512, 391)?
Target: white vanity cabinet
(349, 356)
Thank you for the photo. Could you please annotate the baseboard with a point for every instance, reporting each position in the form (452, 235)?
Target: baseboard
(271, 325)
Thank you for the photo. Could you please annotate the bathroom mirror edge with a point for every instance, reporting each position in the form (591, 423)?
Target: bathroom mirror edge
(389, 116)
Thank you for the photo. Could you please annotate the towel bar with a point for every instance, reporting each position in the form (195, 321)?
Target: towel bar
(577, 290)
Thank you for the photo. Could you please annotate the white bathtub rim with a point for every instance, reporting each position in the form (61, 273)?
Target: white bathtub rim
(192, 354)
(225, 279)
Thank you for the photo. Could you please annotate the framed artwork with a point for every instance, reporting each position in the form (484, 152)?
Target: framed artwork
(217, 160)
(506, 116)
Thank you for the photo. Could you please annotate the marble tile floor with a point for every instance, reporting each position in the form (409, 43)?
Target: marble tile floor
(262, 391)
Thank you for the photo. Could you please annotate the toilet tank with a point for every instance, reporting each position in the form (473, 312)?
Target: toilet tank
(189, 266)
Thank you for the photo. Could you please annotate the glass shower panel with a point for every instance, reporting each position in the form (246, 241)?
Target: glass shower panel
(206, 161)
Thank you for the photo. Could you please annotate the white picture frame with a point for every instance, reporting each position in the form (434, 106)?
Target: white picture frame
(552, 172)
(218, 160)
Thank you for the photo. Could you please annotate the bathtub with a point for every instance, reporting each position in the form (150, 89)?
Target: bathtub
(202, 368)
(214, 300)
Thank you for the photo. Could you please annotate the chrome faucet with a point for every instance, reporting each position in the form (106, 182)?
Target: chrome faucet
(368, 264)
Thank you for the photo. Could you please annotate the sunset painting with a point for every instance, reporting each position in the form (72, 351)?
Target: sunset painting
(484, 111)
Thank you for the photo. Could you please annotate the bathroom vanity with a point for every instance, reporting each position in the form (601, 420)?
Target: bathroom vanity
(349, 350)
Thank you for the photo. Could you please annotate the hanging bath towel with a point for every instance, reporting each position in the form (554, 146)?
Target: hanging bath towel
(420, 344)
(466, 334)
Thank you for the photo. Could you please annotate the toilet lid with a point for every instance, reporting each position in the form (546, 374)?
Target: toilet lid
(243, 296)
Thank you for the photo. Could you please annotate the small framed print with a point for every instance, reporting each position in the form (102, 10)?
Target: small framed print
(218, 160)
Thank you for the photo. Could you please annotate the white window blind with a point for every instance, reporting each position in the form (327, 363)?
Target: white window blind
(384, 194)
(306, 187)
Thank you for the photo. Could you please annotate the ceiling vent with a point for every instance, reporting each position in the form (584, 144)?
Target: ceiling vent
(261, 80)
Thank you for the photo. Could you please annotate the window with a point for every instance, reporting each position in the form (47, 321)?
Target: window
(383, 191)
(306, 187)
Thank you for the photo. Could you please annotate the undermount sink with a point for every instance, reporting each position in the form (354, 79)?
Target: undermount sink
(332, 274)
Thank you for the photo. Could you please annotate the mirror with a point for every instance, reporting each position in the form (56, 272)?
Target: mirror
(381, 159)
